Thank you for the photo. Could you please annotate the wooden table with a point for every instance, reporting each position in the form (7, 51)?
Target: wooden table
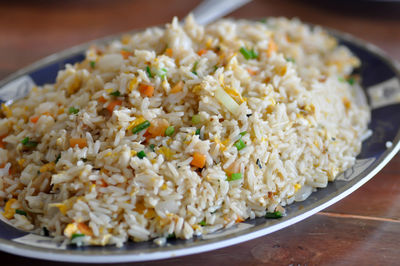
(363, 229)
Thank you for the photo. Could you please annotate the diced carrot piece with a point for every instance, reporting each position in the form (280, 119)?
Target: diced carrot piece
(77, 141)
(103, 183)
(239, 220)
(110, 107)
(125, 54)
(158, 127)
(251, 71)
(2, 144)
(102, 99)
(177, 87)
(34, 119)
(202, 51)
(168, 52)
(272, 47)
(146, 90)
(199, 160)
(85, 229)
(47, 113)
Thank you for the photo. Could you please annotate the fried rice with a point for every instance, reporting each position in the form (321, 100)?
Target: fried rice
(181, 130)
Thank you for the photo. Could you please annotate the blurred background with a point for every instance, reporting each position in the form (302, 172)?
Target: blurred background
(359, 230)
(30, 30)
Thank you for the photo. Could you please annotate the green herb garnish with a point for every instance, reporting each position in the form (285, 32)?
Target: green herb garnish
(115, 93)
(203, 223)
(162, 72)
(141, 127)
(73, 110)
(27, 143)
(196, 119)
(152, 146)
(21, 212)
(169, 131)
(194, 69)
(351, 80)
(76, 236)
(273, 215)
(289, 59)
(240, 144)
(149, 72)
(171, 236)
(248, 54)
(92, 64)
(197, 131)
(141, 154)
(235, 176)
(58, 158)
(243, 133)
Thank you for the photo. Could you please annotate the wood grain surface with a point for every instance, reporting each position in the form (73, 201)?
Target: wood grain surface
(362, 229)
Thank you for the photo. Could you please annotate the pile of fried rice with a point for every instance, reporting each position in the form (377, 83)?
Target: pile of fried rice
(181, 131)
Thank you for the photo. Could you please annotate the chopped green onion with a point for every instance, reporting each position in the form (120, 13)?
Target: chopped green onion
(341, 79)
(216, 67)
(169, 131)
(226, 100)
(171, 236)
(197, 131)
(203, 223)
(58, 158)
(152, 146)
(76, 236)
(196, 119)
(248, 54)
(141, 154)
(289, 59)
(141, 127)
(162, 72)
(243, 133)
(73, 110)
(235, 176)
(149, 72)
(273, 215)
(240, 144)
(115, 93)
(21, 212)
(263, 20)
(92, 64)
(27, 143)
(46, 231)
(194, 69)
(351, 80)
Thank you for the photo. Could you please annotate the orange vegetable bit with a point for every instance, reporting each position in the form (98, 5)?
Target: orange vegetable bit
(202, 51)
(85, 229)
(110, 107)
(158, 127)
(199, 160)
(146, 90)
(77, 141)
(239, 220)
(251, 71)
(168, 52)
(102, 99)
(272, 47)
(177, 87)
(34, 119)
(2, 144)
(125, 54)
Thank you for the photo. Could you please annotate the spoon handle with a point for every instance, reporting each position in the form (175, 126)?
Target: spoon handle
(210, 10)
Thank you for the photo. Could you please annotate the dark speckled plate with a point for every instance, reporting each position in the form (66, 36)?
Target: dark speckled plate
(381, 82)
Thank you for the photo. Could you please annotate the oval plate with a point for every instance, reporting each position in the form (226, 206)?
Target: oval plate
(381, 83)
